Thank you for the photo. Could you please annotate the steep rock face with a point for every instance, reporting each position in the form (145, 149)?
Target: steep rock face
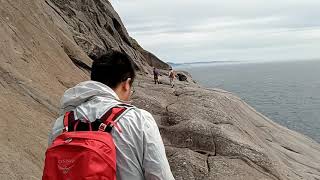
(151, 59)
(96, 28)
(154, 61)
(35, 70)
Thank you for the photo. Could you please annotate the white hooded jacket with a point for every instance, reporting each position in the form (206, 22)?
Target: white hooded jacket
(140, 150)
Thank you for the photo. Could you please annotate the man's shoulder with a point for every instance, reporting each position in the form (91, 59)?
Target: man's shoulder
(139, 116)
(139, 119)
(138, 113)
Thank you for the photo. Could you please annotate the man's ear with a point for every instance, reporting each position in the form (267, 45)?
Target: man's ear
(127, 84)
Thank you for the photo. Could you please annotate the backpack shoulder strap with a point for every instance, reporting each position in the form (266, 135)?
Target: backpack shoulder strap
(109, 119)
(69, 116)
(105, 123)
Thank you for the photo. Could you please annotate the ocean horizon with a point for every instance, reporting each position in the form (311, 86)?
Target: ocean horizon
(287, 92)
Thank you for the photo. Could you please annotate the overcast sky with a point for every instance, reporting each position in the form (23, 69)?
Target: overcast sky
(219, 30)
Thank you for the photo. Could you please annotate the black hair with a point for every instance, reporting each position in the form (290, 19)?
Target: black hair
(113, 68)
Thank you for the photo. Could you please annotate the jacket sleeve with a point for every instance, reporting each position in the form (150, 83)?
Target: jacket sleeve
(155, 163)
(56, 130)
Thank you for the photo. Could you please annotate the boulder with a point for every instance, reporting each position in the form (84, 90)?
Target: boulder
(182, 76)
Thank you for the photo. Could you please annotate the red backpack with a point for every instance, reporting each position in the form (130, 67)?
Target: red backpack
(84, 150)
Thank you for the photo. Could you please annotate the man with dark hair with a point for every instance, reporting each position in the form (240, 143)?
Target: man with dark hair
(115, 70)
(140, 152)
(112, 69)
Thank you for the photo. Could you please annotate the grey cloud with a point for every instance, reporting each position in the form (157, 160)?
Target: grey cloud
(187, 30)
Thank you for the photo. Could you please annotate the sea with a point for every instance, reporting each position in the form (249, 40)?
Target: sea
(286, 92)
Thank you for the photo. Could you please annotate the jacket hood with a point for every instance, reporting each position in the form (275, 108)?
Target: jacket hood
(85, 91)
(87, 98)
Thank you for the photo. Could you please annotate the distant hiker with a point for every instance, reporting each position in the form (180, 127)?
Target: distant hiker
(156, 75)
(99, 135)
(171, 77)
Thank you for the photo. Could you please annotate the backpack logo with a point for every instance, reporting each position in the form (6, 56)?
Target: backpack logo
(65, 165)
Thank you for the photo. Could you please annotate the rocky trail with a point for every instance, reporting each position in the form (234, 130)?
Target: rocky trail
(46, 46)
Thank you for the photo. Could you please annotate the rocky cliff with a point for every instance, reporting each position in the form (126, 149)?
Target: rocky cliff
(212, 134)
(45, 47)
